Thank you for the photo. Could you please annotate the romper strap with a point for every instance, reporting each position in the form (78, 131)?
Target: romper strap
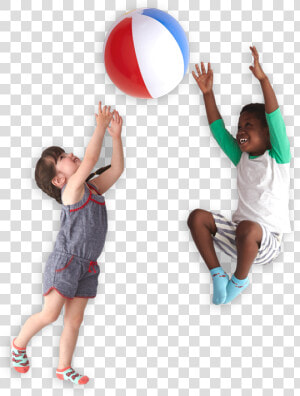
(94, 188)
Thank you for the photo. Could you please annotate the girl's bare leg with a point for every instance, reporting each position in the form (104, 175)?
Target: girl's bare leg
(50, 312)
(74, 311)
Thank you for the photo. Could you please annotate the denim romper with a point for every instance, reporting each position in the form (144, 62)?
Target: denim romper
(72, 268)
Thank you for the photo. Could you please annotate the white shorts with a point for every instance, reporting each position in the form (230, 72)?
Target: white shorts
(270, 246)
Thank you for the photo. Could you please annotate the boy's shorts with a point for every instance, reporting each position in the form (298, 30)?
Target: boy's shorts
(270, 246)
(70, 275)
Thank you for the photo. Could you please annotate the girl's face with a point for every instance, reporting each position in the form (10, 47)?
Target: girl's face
(66, 166)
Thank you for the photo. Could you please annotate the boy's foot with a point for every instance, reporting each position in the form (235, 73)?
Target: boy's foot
(70, 374)
(220, 281)
(20, 360)
(235, 287)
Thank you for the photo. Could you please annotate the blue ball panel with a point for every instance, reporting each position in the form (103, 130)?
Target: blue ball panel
(174, 28)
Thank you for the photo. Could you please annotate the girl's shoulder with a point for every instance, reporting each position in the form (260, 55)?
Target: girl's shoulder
(71, 197)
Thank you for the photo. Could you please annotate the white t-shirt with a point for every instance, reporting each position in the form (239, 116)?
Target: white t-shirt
(263, 181)
(263, 188)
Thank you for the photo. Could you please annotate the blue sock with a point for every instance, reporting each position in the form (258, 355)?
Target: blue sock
(220, 280)
(235, 287)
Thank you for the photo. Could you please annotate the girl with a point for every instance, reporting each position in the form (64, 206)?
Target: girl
(71, 272)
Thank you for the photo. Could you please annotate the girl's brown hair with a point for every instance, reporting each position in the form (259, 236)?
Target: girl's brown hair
(45, 171)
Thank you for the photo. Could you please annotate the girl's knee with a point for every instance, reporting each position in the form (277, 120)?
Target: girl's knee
(49, 316)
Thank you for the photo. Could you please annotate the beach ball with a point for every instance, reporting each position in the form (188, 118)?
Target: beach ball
(146, 53)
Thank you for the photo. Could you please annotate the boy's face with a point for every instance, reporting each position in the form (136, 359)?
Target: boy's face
(252, 137)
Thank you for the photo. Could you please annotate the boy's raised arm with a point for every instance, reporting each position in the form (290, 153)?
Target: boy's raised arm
(279, 141)
(271, 103)
(226, 141)
(205, 82)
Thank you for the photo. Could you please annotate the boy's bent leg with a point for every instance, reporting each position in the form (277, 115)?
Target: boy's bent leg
(248, 239)
(203, 226)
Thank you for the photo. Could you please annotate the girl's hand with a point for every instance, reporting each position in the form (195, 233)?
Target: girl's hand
(115, 125)
(204, 79)
(257, 69)
(104, 116)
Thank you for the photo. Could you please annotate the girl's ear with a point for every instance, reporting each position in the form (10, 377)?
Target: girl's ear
(58, 181)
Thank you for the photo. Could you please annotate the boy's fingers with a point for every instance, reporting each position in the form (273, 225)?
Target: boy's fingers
(197, 68)
(194, 75)
(100, 110)
(203, 68)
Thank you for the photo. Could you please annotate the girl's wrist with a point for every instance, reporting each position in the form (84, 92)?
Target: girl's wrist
(116, 138)
(101, 128)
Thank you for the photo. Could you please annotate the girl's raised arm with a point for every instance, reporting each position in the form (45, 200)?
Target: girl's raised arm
(76, 181)
(104, 181)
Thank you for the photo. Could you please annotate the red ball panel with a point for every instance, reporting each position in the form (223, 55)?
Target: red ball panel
(121, 62)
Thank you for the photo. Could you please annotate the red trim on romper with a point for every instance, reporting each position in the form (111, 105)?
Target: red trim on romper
(93, 188)
(89, 199)
(99, 203)
(51, 288)
(67, 265)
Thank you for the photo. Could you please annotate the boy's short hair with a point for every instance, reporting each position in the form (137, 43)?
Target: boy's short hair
(259, 110)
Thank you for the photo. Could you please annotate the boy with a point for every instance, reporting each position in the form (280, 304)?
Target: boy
(261, 153)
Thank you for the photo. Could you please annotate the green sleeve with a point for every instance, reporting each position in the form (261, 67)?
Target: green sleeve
(226, 141)
(280, 150)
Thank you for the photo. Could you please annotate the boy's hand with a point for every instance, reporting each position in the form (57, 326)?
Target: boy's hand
(257, 69)
(115, 125)
(204, 80)
(104, 116)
